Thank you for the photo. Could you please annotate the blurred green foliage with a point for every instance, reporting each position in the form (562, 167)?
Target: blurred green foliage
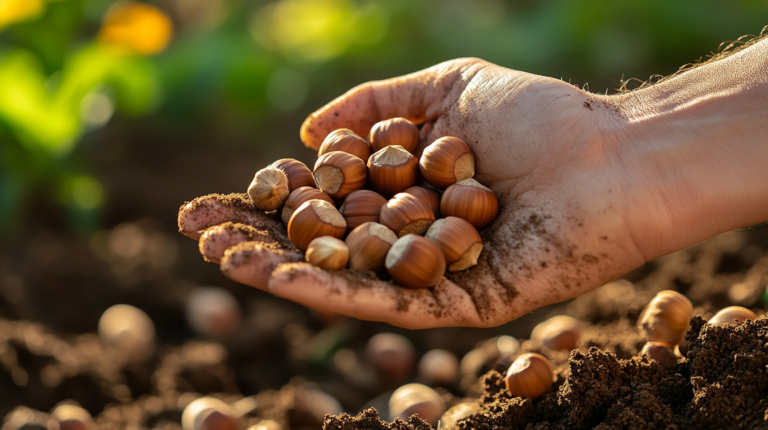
(254, 61)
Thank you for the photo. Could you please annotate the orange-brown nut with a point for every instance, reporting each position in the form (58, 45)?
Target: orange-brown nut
(68, 417)
(345, 140)
(415, 262)
(559, 333)
(459, 241)
(338, 174)
(732, 315)
(315, 218)
(391, 170)
(427, 195)
(530, 375)
(659, 352)
(470, 200)
(327, 252)
(368, 245)
(272, 185)
(299, 196)
(362, 206)
(446, 161)
(405, 214)
(666, 318)
(395, 131)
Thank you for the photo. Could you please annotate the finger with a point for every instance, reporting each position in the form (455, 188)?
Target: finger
(251, 263)
(365, 297)
(216, 240)
(214, 209)
(417, 97)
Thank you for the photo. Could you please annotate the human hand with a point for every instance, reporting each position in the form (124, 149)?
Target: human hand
(576, 205)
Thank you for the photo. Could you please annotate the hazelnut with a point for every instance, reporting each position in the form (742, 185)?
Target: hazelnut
(69, 417)
(660, 353)
(451, 417)
(128, 330)
(328, 253)
(428, 195)
(299, 196)
(530, 375)
(208, 413)
(460, 242)
(338, 174)
(369, 244)
(213, 312)
(470, 200)
(732, 315)
(345, 140)
(315, 218)
(405, 214)
(391, 170)
(362, 206)
(666, 318)
(395, 131)
(438, 367)
(416, 399)
(415, 262)
(446, 161)
(392, 355)
(266, 425)
(272, 185)
(560, 333)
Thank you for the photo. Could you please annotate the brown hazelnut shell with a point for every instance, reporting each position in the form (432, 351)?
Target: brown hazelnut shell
(395, 131)
(732, 315)
(459, 241)
(391, 170)
(338, 174)
(666, 318)
(362, 206)
(470, 200)
(272, 185)
(530, 375)
(659, 352)
(368, 245)
(428, 195)
(313, 219)
(415, 262)
(405, 214)
(345, 140)
(299, 196)
(446, 161)
(559, 333)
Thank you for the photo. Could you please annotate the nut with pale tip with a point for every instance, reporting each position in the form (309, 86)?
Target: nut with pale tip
(405, 214)
(416, 399)
(732, 315)
(345, 140)
(298, 197)
(208, 413)
(438, 367)
(266, 425)
(213, 312)
(338, 174)
(666, 318)
(415, 262)
(272, 185)
(391, 355)
(459, 240)
(328, 253)
(470, 200)
(660, 353)
(129, 331)
(428, 195)
(368, 245)
(559, 333)
(395, 131)
(362, 206)
(391, 170)
(70, 417)
(446, 161)
(530, 375)
(313, 219)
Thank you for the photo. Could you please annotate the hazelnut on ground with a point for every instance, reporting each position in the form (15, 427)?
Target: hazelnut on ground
(338, 174)
(405, 214)
(660, 353)
(362, 206)
(391, 170)
(328, 253)
(272, 185)
(415, 262)
(416, 399)
(559, 333)
(446, 161)
(345, 140)
(213, 312)
(666, 318)
(315, 218)
(395, 131)
(438, 367)
(128, 330)
(208, 413)
(460, 242)
(299, 196)
(391, 355)
(530, 375)
(70, 417)
(428, 195)
(470, 200)
(368, 245)
(732, 315)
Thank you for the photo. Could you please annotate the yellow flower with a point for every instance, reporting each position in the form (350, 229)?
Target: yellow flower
(18, 10)
(138, 27)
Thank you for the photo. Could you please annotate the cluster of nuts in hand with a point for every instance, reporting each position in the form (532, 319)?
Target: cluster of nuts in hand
(393, 226)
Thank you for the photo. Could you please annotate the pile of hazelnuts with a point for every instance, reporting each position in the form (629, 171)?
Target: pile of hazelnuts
(363, 191)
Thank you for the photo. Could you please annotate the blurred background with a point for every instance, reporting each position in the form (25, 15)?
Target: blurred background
(113, 114)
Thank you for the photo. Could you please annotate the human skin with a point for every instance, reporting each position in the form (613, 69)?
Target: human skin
(589, 186)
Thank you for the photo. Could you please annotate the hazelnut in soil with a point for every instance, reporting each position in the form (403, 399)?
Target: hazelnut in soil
(368, 245)
(338, 174)
(559, 333)
(392, 170)
(362, 206)
(395, 131)
(405, 214)
(470, 200)
(446, 161)
(530, 375)
(460, 242)
(313, 219)
(732, 315)
(666, 318)
(345, 140)
(415, 262)
(272, 185)
(416, 399)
